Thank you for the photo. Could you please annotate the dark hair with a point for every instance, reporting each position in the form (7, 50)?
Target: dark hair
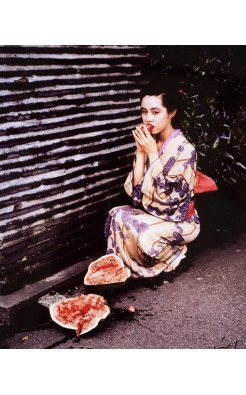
(171, 94)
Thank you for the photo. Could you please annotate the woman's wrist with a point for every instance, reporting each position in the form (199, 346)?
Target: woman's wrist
(140, 153)
(153, 157)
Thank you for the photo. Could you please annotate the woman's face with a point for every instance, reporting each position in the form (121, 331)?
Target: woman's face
(155, 115)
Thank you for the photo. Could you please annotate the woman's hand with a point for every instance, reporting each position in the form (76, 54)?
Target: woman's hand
(145, 142)
(138, 146)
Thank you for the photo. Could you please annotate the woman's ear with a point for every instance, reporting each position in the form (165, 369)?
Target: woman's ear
(172, 113)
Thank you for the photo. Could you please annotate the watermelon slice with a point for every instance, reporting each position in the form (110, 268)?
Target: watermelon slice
(107, 271)
(81, 313)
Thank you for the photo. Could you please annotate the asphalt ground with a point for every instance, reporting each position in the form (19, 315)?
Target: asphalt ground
(202, 305)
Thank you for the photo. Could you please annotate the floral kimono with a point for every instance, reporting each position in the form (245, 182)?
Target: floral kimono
(152, 239)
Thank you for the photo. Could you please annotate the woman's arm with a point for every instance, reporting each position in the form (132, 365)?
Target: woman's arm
(135, 178)
(138, 171)
(145, 145)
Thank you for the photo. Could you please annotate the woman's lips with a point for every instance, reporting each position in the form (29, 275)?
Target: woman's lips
(149, 127)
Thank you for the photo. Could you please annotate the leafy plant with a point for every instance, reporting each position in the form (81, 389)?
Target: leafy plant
(212, 81)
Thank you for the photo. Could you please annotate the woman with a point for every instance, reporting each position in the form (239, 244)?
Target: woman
(152, 238)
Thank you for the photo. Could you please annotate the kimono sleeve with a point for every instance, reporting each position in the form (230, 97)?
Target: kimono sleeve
(134, 192)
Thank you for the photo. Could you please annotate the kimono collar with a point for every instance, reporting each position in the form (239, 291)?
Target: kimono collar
(172, 136)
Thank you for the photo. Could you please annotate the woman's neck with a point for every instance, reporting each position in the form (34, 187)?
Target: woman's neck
(163, 136)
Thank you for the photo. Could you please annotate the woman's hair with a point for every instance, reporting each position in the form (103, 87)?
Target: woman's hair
(171, 95)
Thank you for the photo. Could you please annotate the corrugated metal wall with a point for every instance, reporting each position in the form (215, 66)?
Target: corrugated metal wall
(66, 115)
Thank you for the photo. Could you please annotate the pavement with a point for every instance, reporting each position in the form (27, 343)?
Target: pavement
(202, 305)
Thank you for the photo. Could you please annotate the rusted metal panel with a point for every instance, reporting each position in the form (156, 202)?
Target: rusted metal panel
(66, 116)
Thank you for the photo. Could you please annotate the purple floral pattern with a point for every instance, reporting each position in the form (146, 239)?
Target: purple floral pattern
(110, 251)
(184, 208)
(192, 160)
(107, 230)
(177, 237)
(180, 229)
(167, 167)
(153, 210)
(128, 218)
(137, 194)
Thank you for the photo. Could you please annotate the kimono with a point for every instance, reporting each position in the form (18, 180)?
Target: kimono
(152, 238)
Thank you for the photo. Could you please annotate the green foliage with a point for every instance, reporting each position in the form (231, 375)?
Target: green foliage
(212, 81)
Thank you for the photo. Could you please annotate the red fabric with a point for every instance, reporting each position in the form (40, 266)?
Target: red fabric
(204, 183)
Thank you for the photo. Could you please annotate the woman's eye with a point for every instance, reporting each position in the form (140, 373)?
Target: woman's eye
(155, 112)
(144, 111)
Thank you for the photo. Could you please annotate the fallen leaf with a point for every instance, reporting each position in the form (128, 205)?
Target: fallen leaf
(25, 338)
